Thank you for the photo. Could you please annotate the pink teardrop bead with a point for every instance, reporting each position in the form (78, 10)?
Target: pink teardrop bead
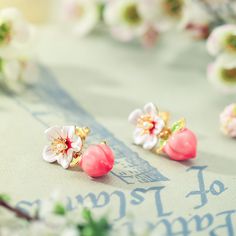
(97, 160)
(182, 145)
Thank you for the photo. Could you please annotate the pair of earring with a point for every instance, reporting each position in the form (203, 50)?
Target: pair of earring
(152, 132)
(67, 148)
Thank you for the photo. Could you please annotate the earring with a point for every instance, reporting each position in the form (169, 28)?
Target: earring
(228, 121)
(153, 132)
(66, 147)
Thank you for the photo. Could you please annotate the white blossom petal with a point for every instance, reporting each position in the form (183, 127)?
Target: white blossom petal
(134, 116)
(151, 109)
(48, 155)
(68, 131)
(88, 23)
(160, 124)
(150, 142)
(64, 160)
(82, 15)
(195, 14)
(139, 137)
(162, 17)
(10, 14)
(212, 45)
(77, 144)
(53, 133)
(21, 32)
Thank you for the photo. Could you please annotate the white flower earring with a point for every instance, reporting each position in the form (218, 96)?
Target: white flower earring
(64, 145)
(67, 149)
(148, 125)
(152, 132)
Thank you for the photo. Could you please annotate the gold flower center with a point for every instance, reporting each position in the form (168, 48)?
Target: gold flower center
(229, 75)
(231, 43)
(5, 33)
(59, 145)
(165, 133)
(146, 123)
(131, 15)
(173, 7)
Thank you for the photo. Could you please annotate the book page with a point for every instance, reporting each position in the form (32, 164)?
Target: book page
(98, 86)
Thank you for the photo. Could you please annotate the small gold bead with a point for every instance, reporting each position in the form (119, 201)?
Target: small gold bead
(165, 133)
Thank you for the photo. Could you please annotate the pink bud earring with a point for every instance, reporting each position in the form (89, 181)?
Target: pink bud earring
(153, 133)
(97, 160)
(66, 147)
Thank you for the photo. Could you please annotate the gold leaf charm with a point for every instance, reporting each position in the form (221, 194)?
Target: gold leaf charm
(178, 125)
(82, 132)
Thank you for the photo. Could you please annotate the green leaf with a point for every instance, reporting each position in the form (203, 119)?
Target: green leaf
(1, 64)
(5, 197)
(178, 125)
(162, 143)
(93, 227)
(4, 32)
(87, 215)
(59, 209)
(101, 7)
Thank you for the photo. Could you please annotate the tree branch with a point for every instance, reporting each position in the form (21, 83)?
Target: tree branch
(19, 213)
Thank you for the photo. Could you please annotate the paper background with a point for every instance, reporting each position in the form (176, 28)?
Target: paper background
(108, 80)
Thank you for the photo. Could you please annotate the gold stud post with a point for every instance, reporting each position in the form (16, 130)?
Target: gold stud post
(165, 117)
(82, 132)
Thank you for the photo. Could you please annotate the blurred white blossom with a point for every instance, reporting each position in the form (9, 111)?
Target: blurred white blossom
(228, 120)
(196, 20)
(164, 13)
(145, 20)
(222, 73)
(222, 40)
(16, 36)
(14, 69)
(53, 218)
(56, 204)
(130, 19)
(81, 15)
(125, 19)
(15, 31)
